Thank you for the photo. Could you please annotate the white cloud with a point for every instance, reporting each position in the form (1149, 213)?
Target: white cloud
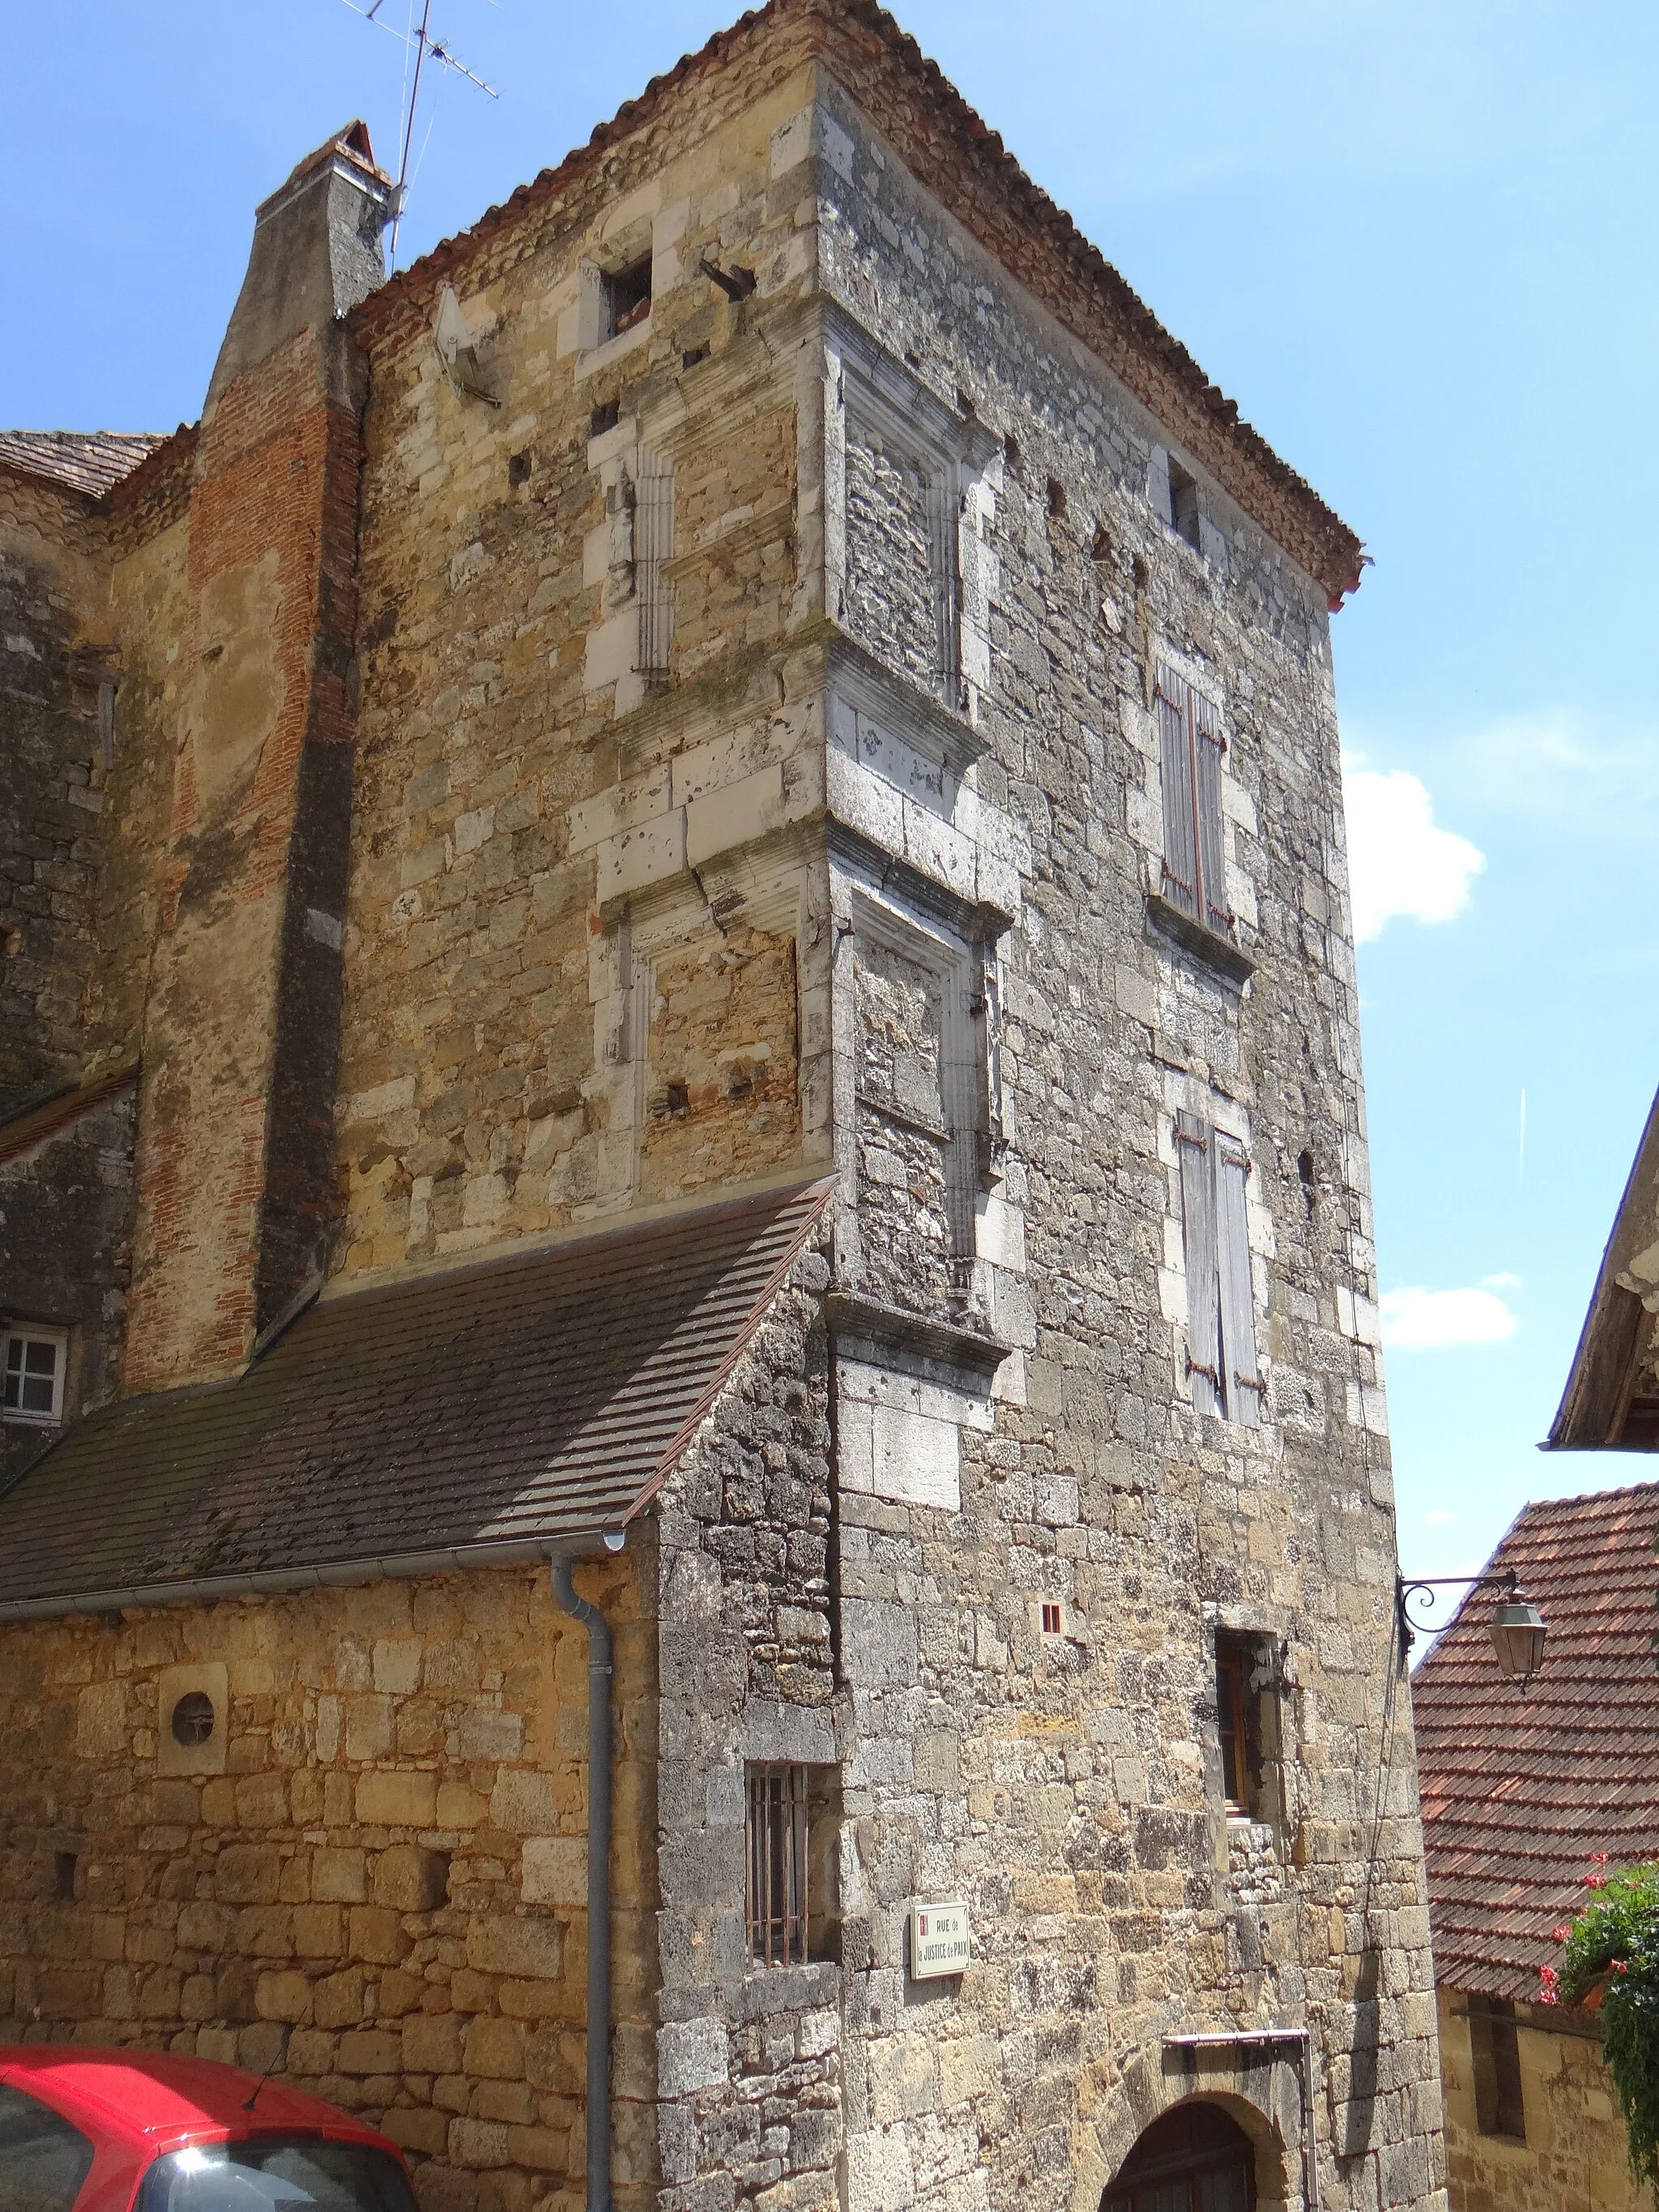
(1418, 1320)
(1400, 861)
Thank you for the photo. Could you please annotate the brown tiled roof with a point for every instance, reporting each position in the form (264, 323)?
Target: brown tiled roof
(25, 1125)
(964, 164)
(519, 1402)
(92, 461)
(1522, 1782)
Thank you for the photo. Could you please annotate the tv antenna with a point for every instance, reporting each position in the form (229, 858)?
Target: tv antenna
(419, 41)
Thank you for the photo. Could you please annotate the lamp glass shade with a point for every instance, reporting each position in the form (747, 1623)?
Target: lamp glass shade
(1518, 1639)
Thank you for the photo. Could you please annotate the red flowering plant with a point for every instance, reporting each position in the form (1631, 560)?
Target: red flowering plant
(1612, 1947)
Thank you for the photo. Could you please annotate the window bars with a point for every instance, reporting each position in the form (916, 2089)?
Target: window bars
(777, 1885)
(653, 548)
(1190, 747)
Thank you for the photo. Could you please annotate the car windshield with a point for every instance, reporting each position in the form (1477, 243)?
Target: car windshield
(43, 2159)
(277, 2173)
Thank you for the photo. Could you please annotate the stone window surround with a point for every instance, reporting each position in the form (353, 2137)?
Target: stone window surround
(960, 459)
(965, 977)
(24, 1333)
(649, 926)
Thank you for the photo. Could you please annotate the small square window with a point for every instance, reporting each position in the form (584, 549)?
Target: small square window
(36, 1360)
(625, 298)
(790, 1834)
(1183, 503)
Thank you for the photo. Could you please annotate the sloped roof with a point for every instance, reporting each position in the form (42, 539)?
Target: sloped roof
(90, 461)
(518, 1403)
(1521, 1781)
(25, 1126)
(1611, 1402)
(963, 163)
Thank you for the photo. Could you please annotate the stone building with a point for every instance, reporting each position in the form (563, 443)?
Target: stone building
(677, 902)
(1528, 1787)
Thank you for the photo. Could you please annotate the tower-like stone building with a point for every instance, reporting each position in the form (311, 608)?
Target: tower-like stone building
(679, 994)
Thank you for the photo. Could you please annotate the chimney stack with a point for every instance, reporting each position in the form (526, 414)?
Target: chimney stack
(241, 1029)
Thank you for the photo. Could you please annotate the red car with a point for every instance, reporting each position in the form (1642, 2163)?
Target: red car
(89, 2130)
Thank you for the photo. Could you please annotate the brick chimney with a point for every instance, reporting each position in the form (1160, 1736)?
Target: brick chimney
(241, 1028)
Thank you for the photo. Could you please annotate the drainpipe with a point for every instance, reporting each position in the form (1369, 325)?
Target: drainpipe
(599, 1874)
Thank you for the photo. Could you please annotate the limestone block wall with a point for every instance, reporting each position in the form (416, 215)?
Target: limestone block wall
(515, 1047)
(372, 1878)
(1574, 2158)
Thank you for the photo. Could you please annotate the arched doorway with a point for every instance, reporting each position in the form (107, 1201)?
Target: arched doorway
(1193, 2159)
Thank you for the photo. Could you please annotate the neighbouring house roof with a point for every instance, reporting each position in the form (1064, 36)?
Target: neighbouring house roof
(508, 1406)
(963, 163)
(1522, 1782)
(90, 461)
(1611, 1399)
(25, 1126)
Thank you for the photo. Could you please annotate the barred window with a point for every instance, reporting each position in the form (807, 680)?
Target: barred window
(653, 548)
(777, 1865)
(1190, 747)
(791, 1831)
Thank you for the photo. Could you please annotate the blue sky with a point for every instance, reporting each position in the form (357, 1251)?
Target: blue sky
(1415, 242)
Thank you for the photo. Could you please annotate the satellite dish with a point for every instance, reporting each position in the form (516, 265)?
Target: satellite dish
(454, 339)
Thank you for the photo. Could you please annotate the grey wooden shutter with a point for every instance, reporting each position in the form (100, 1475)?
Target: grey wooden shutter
(1213, 909)
(653, 547)
(1194, 1143)
(1241, 1383)
(1181, 881)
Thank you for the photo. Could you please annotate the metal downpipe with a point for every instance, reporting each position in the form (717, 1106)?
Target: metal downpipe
(598, 1882)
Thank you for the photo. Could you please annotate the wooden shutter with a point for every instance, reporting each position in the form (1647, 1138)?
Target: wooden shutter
(1194, 1141)
(1241, 1383)
(1214, 911)
(653, 547)
(1181, 857)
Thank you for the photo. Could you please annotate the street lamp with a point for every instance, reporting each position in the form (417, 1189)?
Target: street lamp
(1516, 1628)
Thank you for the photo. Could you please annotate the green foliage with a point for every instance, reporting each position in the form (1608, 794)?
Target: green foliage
(1614, 1941)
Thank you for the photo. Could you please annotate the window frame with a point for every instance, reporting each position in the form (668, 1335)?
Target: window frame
(1224, 1356)
(1233, 1725)
(25, 1333)
(636, 279)
(791, 1831)
(1495, 2068)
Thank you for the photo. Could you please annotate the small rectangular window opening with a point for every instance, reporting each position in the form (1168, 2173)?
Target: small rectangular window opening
(791, 1835)
(1191, 749)
(1052, 1625)
(1183, 503)
(32, 1374)
(626, 297)
(1494, 2048)
(1246, 1724)
(62, 1876)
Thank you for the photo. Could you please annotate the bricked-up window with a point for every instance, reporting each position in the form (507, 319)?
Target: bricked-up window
(34, 1361)
(791, 1835)
(653, 548)
(1495, 2050)
(1190, 747)
(1221, 1355)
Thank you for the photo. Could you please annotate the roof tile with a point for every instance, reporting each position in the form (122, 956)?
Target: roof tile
(1521, 1781)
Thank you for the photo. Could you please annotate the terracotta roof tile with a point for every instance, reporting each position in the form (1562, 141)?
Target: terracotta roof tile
(92, 461)
(1521, 1783)
(525, 1399)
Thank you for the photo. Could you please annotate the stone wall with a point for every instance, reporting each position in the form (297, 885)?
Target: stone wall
(1574, 2158)
(54, 590)
(372, 1877)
